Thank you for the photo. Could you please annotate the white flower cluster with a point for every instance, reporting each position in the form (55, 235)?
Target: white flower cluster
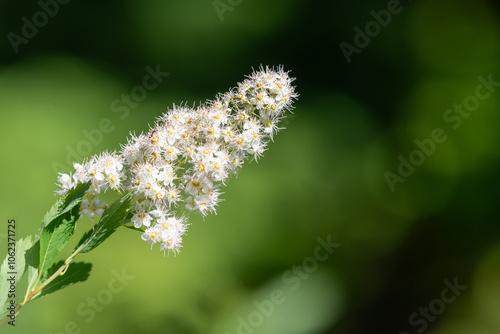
(183, 160)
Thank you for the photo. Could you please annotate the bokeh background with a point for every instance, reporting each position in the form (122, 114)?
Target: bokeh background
(323, 177)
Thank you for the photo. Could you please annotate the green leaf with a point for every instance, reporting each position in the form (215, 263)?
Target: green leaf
(35, 254)
(32, 262)
(22, 251)
(58, 225)
(110, 220)
(66, 203)
(76, 272)
(17, 269)
(54, 237)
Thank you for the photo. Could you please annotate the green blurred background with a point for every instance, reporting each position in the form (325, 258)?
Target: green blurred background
(324, 176)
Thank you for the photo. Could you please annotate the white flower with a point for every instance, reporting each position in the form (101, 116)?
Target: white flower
(131, 152)
(257, 148)
(180, 164)
(81, 174)
(110, 163)
(153, 234)
(65, 182)
(193, 186)
(160, 213)
(172, 242)
(113, 180)
(141, 218)
(171, 153)
(203, 203)
(95, 172)
(172, 196)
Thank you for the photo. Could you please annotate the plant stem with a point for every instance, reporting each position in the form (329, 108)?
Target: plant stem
(61, 271)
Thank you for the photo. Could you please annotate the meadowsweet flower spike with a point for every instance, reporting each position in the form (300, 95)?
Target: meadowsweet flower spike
(179, 166)
(185, 158)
